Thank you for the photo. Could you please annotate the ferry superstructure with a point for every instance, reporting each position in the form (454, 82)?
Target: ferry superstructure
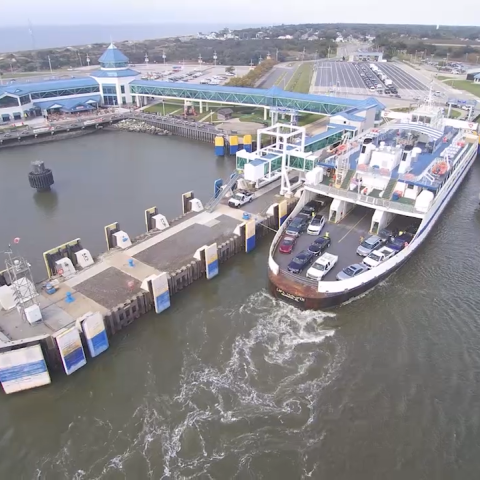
(399, 175)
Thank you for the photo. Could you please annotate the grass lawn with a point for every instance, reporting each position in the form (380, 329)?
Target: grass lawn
(300, 82)
(308, 118)
(169, 107)
(455, 113)
(466, 85)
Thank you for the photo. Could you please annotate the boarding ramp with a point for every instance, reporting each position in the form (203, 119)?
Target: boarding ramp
(213, 203)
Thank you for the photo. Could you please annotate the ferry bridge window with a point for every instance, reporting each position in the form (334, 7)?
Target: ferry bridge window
(122, 88)
(8, 101)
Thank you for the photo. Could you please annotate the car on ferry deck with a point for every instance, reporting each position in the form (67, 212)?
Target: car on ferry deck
(379, 256)
(388, 234)
(320, 245)
(297, 226)
(300, 262)
(287, 244)
(400, 242)
(369, 245)
(352, 271)
(316, 225)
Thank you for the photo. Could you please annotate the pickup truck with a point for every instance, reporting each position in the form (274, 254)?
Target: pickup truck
(322, 266)
(378, 256)
(240, 198)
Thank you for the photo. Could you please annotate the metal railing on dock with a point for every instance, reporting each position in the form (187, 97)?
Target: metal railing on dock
(212, 204)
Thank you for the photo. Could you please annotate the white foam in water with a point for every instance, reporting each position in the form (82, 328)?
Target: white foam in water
(281, 337)
(268, 384)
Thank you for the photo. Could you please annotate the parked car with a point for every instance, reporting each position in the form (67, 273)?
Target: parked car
(369, 245)
(297, 226)
(319, 245)
(240, 198)
(316, 225)
(287, 244)
(313, 206)
(379, 256)
(322, 266)
(400, 242)
(388, 234)
(352, 271)
(301, 261)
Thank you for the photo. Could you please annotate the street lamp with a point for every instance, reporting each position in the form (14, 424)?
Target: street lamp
(164, 57)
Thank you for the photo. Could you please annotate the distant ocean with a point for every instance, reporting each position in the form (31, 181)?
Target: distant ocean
(19, 38)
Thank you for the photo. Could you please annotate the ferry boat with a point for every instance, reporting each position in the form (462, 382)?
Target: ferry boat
(392, 181)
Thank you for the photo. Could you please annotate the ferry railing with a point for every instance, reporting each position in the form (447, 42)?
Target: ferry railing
(355, 197)
(298, 278)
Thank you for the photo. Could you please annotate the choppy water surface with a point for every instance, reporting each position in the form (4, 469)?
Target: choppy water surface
(230, 383)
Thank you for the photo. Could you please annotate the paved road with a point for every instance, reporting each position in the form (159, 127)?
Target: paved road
(280, 76)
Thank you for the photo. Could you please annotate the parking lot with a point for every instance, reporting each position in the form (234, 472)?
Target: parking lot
(193, 74)
(337, 77)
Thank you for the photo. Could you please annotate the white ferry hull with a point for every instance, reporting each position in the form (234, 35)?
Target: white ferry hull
(331, 294)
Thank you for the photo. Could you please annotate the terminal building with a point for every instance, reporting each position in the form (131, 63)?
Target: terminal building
(109, 85)
(366, 57)
(115, 84)
(474, 75)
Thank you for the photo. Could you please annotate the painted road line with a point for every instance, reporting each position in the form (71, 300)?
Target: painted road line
(351, 229)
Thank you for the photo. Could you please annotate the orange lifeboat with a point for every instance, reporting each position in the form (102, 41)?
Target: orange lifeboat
(440, 168)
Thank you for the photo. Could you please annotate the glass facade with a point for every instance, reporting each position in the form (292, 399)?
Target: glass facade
(65, 93)
(114, 64)
(7, 102)
(109, 94)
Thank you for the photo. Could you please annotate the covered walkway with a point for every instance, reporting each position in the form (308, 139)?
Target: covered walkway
(273, 97)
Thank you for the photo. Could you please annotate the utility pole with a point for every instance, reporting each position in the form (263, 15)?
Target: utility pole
(50, 64)
(88, 60)
(215, 58)
(80, 58)
(164, 57)
(276, 55)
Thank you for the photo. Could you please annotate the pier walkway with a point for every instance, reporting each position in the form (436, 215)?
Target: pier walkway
(112, 280)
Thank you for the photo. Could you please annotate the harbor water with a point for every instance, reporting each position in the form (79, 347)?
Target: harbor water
(231, 384)
(110, 176)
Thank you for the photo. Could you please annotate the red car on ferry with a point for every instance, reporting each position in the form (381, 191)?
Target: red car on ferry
(287, 244)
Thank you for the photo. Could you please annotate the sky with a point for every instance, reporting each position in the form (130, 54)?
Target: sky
(264, 12)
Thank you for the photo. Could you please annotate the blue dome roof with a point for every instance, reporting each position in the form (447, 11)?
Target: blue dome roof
(113, 57)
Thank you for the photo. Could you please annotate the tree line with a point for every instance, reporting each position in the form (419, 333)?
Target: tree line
(253, 76)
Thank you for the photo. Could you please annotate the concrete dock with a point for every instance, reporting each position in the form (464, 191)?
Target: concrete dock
(111, 280)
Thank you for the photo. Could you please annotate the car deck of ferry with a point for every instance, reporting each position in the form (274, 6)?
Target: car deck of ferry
(345, 237)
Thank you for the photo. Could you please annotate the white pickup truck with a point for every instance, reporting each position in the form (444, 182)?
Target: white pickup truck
(378, 256)
(240, 198)
(322, 266)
